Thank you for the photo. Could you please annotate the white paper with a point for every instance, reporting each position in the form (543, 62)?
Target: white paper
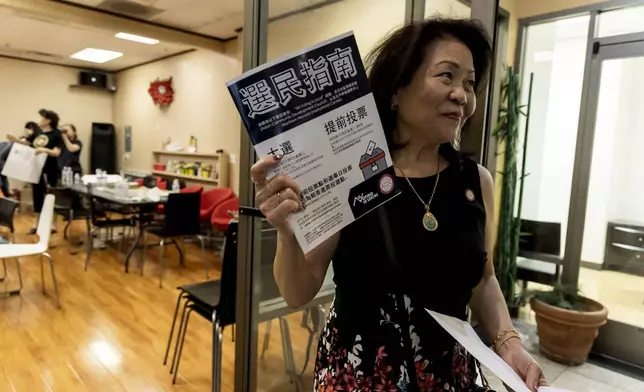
(464, 333)
(23, 164)
(109, 179)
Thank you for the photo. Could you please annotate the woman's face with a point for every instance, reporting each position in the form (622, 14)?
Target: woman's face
(28, 132)
(71, 134)
(43, 122)
(440, 97)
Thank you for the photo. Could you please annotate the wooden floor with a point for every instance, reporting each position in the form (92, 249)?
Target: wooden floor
(111, 332)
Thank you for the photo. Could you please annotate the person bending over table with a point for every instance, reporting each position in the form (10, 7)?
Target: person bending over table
(47, 141)
(424, 78)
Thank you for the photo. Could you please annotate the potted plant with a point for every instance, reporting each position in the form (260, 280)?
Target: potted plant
(567, 323)
(507, 135)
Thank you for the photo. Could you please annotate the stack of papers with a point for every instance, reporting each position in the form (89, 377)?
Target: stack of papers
(464, 334)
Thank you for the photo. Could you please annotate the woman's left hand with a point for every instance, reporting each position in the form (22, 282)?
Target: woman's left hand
(41, 150)
(522, 362)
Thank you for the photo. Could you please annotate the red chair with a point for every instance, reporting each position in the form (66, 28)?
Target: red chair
(211, 199)
(192, 189)
(220, 216)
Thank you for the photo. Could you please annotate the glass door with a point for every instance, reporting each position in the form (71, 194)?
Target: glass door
(612, 251)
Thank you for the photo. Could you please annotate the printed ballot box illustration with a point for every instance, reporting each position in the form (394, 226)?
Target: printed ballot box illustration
(372, 161)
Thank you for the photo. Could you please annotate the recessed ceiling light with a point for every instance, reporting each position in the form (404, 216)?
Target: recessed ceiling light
(137, 38)
(99, 56)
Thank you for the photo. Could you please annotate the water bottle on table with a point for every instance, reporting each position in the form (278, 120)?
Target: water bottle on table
(175, 186)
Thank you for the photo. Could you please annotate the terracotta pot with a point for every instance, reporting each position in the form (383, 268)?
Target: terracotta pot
(566, 336)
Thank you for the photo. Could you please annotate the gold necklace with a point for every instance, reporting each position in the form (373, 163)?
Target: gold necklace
(430, 223)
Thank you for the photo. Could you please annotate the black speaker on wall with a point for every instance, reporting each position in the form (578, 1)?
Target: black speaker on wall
(103, 150)
(94, 79)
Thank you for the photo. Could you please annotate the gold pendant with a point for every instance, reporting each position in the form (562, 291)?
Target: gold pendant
(429, 222)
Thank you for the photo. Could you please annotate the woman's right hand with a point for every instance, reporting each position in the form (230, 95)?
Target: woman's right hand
(277, 198)
(12, 138)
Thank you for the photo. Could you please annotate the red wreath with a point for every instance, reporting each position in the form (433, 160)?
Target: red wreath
(161, 92)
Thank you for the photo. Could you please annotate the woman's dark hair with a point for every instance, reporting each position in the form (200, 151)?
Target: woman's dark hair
(32, 126)
(51, 116)
(393, 63)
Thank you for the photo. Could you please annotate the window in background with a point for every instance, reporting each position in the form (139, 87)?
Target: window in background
(555, 52)
(616, 183)
(451, 8)
(621, 21)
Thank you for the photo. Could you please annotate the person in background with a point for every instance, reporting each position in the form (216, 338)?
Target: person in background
(29, 134)
(392, 264)
(49, 142)
(70, 154)
(31, 131)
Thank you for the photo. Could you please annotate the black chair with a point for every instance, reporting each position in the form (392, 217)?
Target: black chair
(539, 249)
(8, 208)
(98, 220)
(69, 206)
(181, 220)
(213, 300)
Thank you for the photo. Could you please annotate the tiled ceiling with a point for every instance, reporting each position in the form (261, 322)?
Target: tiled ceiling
(53, 41)
(214, 18)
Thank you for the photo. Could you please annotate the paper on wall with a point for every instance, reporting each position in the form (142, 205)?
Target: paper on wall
(464, 333)
(24, 164)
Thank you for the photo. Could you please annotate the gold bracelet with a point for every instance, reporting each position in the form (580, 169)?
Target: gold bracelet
(508, 336)
(501, 334)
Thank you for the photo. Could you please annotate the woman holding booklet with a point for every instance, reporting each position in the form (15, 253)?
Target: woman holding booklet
(429, 248)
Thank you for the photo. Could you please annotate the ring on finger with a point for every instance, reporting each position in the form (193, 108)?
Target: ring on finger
(279, 198)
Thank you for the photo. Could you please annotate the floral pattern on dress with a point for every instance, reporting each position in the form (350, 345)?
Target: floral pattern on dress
(341, 368)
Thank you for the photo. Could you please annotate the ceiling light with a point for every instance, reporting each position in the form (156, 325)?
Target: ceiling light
(99, 56)
(137, 38)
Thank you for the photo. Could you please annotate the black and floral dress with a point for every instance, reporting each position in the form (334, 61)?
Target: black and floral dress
(378, 335)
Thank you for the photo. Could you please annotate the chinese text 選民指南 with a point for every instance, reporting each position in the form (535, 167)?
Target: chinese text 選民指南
(259, 98)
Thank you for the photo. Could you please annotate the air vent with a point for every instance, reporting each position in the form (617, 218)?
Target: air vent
(130, 8)
(42, 54)
(18, 52)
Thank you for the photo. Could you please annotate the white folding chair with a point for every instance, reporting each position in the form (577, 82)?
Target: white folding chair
(39, 248)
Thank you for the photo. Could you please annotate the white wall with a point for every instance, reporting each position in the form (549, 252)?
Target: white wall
(202, 107)
(370, 21)
(26, 87)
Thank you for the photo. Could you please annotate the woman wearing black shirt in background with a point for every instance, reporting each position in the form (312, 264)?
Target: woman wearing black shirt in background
(70, 154)
(48, 141)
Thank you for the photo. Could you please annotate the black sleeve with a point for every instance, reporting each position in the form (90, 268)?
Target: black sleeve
(56, 140)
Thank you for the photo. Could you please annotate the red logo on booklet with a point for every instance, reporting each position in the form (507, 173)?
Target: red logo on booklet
(386, 184)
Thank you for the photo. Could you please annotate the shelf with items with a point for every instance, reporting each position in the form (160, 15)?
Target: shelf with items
(207, 168)
(185, 177)
(195, 155)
